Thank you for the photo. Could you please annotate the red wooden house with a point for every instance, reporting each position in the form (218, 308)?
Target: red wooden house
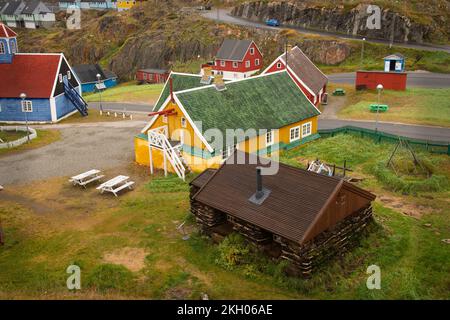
(308, 77)
(237, 59)
(152, 75)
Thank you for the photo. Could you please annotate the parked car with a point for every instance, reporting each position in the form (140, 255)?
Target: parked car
(273, 22)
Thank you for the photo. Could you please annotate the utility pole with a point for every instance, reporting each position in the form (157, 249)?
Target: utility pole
(100, 92)
(380, 89)
(23, 96)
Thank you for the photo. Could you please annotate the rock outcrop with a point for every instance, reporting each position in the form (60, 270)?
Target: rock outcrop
(344, 19)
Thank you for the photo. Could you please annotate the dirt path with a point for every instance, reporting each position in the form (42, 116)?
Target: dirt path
(331, 110)
(81, 148)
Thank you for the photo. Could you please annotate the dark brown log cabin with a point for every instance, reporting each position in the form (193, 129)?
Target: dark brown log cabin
(310, 217)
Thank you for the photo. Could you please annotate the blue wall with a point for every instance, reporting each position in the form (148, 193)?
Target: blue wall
(11, 110)
(90, 87)
(63, 106)
(7, 57)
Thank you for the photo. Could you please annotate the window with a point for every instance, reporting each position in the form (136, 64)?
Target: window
(69, 75)
(2, 48)
(247, 64)
(252, 51)
(222, 63)
(13, 47)
(183, 122)
(60, 77)
(235, 65)
(279, 65)
(144, 76)
(269, 138)
(227, 152)
(295, 133)
(27, 106)
(306, 129)
(164, 118)
(256, 62)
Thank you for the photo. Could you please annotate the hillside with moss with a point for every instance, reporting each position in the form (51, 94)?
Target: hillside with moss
(168, 36)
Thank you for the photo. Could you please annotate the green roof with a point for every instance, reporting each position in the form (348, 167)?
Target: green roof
(265, 102)
(180, 82)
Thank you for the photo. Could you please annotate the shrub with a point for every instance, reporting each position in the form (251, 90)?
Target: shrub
(233, 251)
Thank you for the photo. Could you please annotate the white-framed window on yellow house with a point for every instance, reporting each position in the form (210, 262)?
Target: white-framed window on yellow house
(294, 134)
(183, 122)
(269, 138)
(164, 118)
(306, 129)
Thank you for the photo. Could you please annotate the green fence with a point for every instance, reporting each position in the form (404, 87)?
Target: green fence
(378, 136)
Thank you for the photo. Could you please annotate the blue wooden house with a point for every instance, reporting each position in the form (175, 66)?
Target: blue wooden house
(87, 75)
(52, 91)
(394, 63)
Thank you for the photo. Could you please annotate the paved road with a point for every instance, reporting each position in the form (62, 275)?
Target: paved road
(415, 79)
(224, 16)
(139, 108)
(82, 147)
(413, 131)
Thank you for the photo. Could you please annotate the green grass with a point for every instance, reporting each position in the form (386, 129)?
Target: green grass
(8, 136)
(415, 106)
(82, 226)
(128, 92)
(44, 137)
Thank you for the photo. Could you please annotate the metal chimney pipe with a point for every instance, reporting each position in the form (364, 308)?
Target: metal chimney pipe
(171, 90)
(259, 188)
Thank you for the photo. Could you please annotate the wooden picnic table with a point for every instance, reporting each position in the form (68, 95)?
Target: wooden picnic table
(116, 184)
(86, 177)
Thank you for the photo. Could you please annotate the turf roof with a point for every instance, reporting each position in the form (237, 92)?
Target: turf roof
(180, 82)
(266, 102)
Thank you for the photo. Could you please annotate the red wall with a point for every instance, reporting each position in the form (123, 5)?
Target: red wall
(157, 77)
(389, 80)
(304, 90)
(241, 65)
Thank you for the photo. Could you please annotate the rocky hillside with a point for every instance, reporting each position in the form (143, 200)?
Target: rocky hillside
(155, 37)
(407, 21)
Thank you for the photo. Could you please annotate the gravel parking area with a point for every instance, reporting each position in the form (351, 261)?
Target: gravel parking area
(81, 148)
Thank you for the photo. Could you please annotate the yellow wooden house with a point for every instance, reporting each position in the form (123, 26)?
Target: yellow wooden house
(199, 127)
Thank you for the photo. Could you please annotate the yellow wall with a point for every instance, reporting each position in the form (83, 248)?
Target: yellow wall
(196, 163)
(125, 5)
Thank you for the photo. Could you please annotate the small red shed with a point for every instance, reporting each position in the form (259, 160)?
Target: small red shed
(152, 75)
(389, 80)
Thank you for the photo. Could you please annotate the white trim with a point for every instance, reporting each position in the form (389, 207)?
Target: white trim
(56, 76)
(290, 133)
(301, 81)
(310, 129)
(303, 93)
(53, 109)
(272, 64)
(67, 115)
(272, 138)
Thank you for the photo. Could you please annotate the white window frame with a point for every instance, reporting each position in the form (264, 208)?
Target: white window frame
(307, 125)
(165, 119)
(222, 63)
(269, 134)
(60, 77)
(27, 106)
(69, 75)
(252, 51)
(183, 122)
(256, 62)
(294, 134)
(226, 153)
(235, 65)
(279, 65)
(13, 46)
(144, 76)
(2, 47)
(247, 64)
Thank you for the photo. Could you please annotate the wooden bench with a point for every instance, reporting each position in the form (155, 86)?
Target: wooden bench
(116, 184)
(339, 92)
(381, 107)
(85, 178)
